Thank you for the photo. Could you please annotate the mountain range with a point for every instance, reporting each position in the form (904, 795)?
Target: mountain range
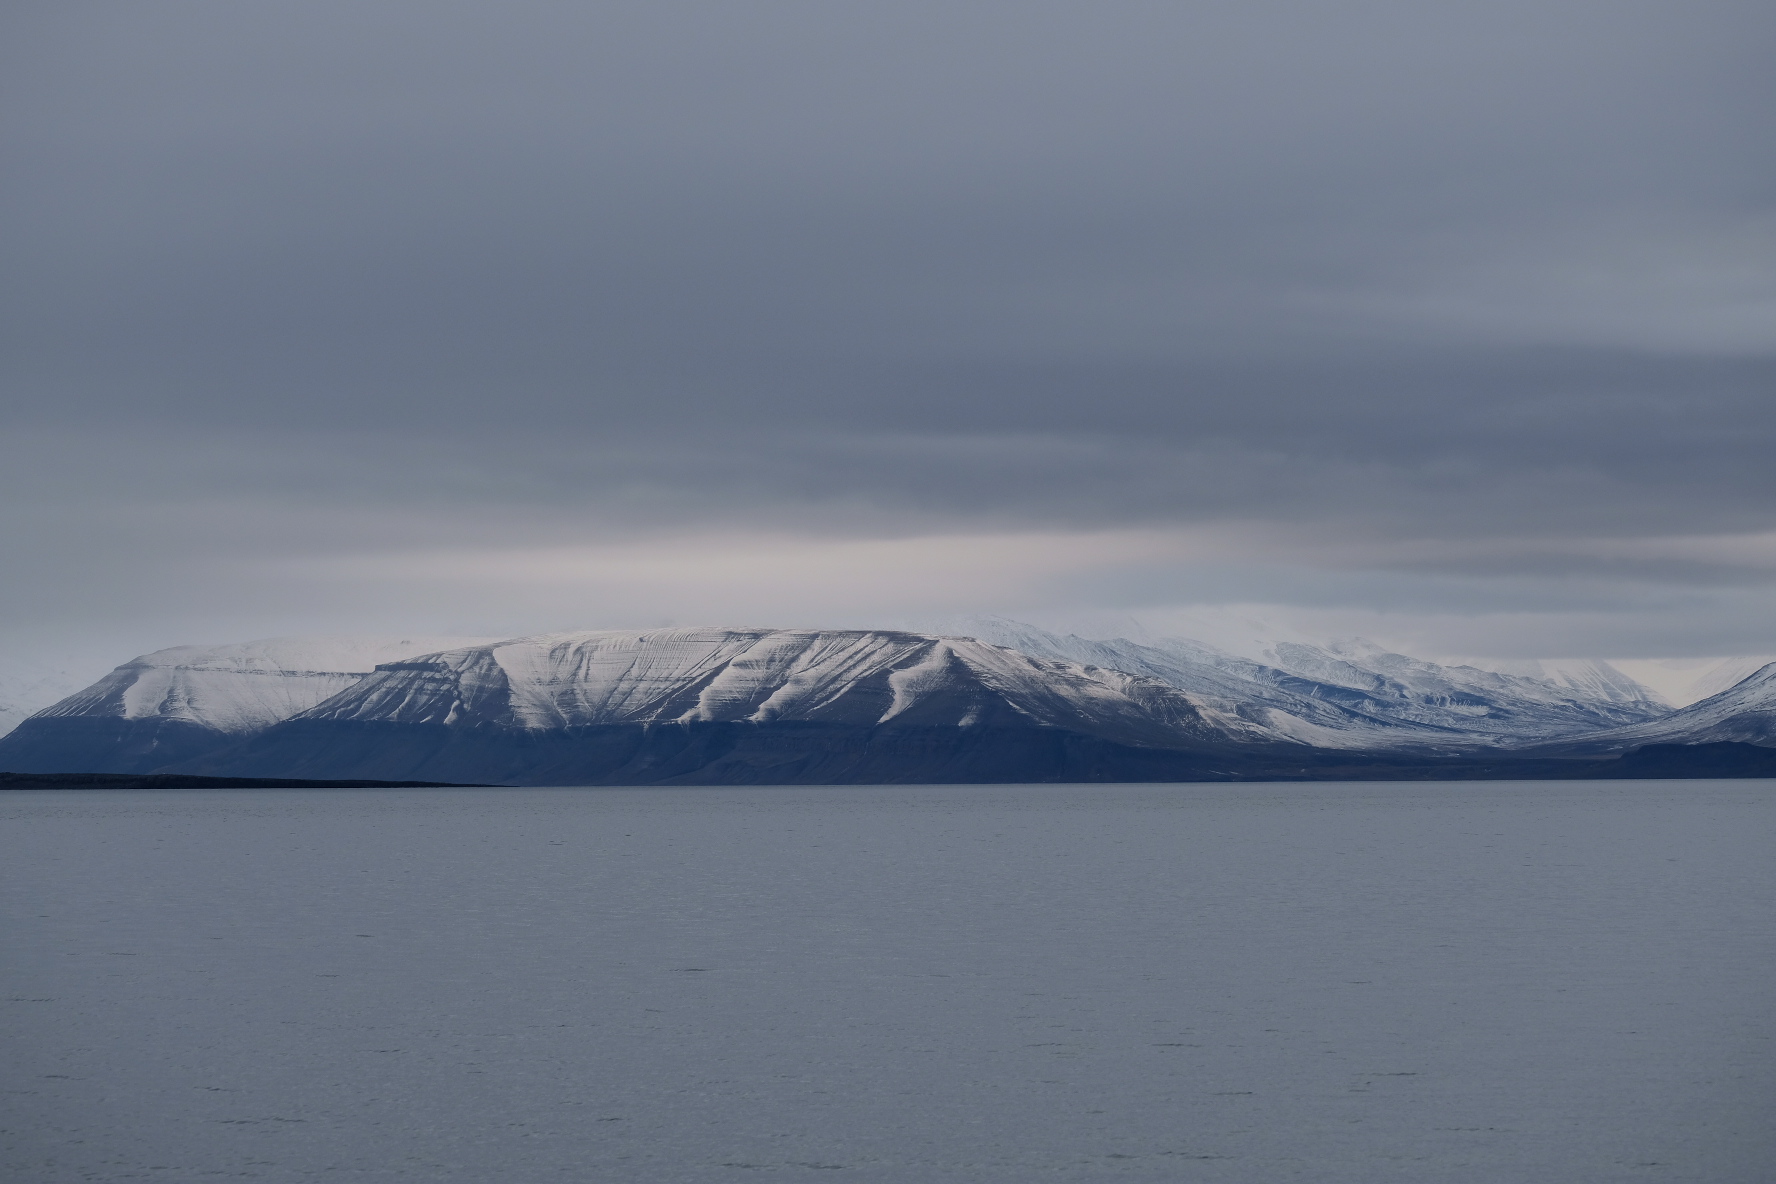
(1006, 702)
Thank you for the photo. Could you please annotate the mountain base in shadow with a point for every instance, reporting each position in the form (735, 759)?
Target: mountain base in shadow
(797, 753)
(108, 744)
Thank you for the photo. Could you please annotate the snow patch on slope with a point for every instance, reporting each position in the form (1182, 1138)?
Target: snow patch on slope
(911, 683)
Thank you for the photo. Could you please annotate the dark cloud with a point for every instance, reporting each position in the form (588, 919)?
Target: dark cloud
(1422, 305)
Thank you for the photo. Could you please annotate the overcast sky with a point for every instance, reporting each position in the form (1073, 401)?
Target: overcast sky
(1453, 324)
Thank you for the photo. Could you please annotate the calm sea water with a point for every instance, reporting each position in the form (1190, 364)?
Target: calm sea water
(1556, 983)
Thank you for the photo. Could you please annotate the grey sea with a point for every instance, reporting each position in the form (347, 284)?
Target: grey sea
(1557, 983)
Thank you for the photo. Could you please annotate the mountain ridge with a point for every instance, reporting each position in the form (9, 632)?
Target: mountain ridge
(605, 706)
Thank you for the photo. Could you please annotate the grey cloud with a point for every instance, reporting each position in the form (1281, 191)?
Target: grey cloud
(346, 277)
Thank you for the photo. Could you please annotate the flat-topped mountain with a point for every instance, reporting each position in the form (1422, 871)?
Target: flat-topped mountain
(757, 675)
(176, 704)
(759, 705)
(763, 704)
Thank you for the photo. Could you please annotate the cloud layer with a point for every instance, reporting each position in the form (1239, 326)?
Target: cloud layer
(1455, 320)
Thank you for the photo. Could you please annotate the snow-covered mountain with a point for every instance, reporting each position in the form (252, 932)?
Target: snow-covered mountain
(167, 709)
(176, 703)
(1008, 699)
(1356, 694)
(868, 677)
(1507, 709)
(1744, 712)
(1588, 678)
(1244, 699)
(621, 705)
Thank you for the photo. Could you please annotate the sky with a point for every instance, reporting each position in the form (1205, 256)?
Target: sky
(1452, 325)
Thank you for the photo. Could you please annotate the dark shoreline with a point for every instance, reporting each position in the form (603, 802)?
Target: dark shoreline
(1657, 761)
(186, 781)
